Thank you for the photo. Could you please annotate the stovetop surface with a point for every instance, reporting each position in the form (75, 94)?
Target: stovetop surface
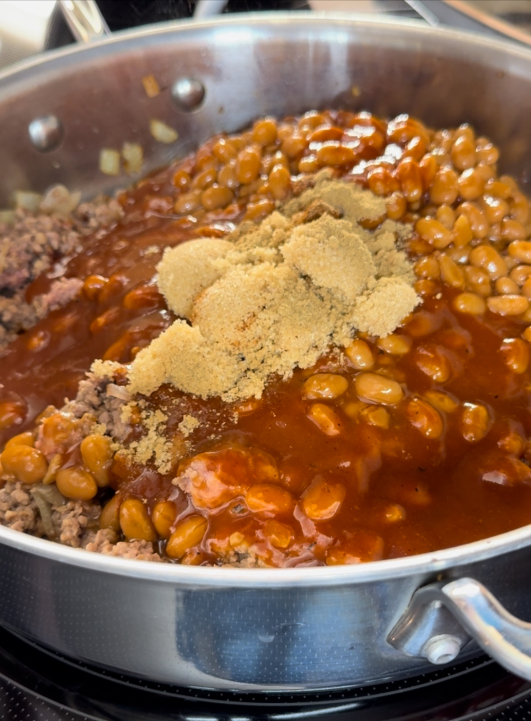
(38, 685)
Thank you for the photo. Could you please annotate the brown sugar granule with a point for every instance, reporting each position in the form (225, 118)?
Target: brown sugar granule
(274, 296)
(188, 425)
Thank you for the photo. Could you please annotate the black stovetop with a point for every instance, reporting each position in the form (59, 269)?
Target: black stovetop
(38, 685)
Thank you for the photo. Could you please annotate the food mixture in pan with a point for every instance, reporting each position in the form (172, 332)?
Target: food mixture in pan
(307, 344)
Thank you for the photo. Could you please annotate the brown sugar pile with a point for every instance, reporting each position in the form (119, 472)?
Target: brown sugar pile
(275, 296)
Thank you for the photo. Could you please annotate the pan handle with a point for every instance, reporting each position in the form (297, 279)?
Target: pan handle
(84, 20)
(443, 616)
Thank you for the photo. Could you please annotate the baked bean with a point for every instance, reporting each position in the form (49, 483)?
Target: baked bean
(520, 250)
(260, 209)
(375, 388)
(93, 285)
(459, 255)
(38, 340)
(294, 145)
(394, 513)
(396, 206)
(507, 286)
(361, 547)
(434, 232)
(279, 182)
(408, 174)
(182, 180)
(22, 439)
(248, 165)
(486, 257)
(463, 153)
(471, 184)
(512, 443)
(164, 516)
(428, 267)
(58, 433)
(216, 196)
(512, 230)
(188, 202)
(27, 464)
(381, 182)
(433, 364)
(442, 401)
(265, 131)
(478, 281)
(428, 168)
(268, 498)
(519, 207)
(425, 287)
(445, 215)
(107, 318)
(203, 180)
(375, 416)
(224, 150)
(527, 334)
(451, 273)
(495, 209)
(145, 296)
(487, 171)
(508, 304)
(462, 232)
(332, 153)
(187, 534)
(227, 176)
(76, 483)
(322, 499)
(475, 422)
(324, 386)
(279, 535)
(325, 418)
(444, 188)
(404, 128)
(478, 222)
(515, 353)
(308, 164)
(520, 274)
(415, 148)
(395, 344)
(97, 456)
(360, 355)
(112, 287)
(487, 153)
(525, 290)
(135, 521)
(110, 514)
(423, 416)
(324, 133)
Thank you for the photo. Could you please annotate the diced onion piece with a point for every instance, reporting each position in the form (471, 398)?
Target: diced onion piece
(109, 161)
(7, 217)
(60, 201)
(133, 157)
(151, 86)
(27, 200)
(118, 392)
(162, 132)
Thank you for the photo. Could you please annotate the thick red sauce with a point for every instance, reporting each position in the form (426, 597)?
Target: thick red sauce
(402, 492)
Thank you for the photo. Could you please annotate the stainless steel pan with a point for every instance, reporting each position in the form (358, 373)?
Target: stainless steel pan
(261, 629)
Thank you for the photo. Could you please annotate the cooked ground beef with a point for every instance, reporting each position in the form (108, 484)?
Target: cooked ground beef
(29, 247)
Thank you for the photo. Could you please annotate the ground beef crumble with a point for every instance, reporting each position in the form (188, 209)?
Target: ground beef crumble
(30, 246)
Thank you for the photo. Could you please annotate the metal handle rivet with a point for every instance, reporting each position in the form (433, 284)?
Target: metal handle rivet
(188, 94)
(442, 649)
(46, 133)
